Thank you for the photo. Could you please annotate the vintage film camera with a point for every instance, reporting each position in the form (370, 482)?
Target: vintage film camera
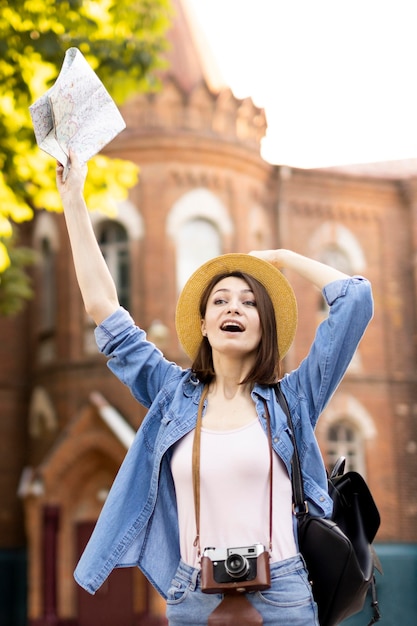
(240, 569)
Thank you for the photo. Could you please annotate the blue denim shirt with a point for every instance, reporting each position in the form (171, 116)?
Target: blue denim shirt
(138, 525)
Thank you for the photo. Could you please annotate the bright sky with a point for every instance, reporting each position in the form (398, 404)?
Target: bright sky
(337, 78)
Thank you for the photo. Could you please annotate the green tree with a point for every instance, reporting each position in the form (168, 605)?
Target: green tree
(123, 41)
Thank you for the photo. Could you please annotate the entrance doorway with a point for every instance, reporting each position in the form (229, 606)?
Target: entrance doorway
(112, 604)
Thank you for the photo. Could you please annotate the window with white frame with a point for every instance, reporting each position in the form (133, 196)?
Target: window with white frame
(47, 300)
(335, 257)
(114, 245)
(344, 439)
(46, 243)
(198, 240)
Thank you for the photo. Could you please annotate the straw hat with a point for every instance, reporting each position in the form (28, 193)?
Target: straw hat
(188, 318)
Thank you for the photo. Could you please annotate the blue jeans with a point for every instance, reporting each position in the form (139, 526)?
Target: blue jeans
(289, 600)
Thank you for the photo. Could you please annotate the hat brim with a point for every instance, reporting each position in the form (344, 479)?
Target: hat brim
(188, 318)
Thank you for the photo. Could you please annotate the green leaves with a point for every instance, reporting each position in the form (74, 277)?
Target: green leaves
(123, 40)
(15, 286)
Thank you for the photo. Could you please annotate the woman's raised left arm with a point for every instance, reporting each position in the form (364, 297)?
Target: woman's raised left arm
(315, 272)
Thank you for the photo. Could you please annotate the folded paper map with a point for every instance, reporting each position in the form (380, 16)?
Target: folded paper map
(76, 113)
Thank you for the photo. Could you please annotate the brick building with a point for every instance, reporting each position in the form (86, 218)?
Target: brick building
(204, 189)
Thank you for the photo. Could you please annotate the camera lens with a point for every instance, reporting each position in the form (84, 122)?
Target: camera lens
(236, 566)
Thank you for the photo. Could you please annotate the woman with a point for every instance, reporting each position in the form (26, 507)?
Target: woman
(236, 319)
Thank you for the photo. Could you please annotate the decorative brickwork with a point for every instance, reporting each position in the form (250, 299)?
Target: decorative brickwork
(192, 138)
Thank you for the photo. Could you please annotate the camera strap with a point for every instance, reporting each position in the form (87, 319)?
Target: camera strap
(196, 470)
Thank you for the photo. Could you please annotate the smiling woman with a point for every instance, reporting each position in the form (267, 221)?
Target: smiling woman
(236, 313)
(193, 299)
(236, 319)
(231, 324)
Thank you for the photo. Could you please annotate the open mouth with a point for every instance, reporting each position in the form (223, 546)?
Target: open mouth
(232, 327)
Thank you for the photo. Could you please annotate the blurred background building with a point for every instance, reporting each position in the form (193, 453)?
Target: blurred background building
(203, 190)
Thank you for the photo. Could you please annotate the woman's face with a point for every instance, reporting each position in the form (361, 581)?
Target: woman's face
(231, 322)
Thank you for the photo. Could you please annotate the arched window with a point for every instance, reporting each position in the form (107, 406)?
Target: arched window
(337, 258)
(46, 243)
(198, 240)
(200, 226)
(344, 439)
(336, 245)
(113, 241)
(47, 301)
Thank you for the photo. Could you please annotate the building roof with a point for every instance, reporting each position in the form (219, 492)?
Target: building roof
(403, 169)
(190, 59)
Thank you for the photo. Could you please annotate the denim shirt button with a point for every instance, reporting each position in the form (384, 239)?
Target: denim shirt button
(276, 439)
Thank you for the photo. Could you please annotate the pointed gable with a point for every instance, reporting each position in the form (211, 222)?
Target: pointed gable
(193, 99)
(191, 63)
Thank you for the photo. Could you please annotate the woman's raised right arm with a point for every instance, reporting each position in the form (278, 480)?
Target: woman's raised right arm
(95, 281)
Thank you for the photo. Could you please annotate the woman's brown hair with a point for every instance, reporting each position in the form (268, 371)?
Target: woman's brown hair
(266, 369)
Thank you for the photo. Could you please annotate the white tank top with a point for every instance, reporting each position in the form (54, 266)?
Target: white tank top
(234, 510)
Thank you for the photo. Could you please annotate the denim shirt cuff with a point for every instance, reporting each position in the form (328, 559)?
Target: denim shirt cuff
(112, 326)
(338, 288)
